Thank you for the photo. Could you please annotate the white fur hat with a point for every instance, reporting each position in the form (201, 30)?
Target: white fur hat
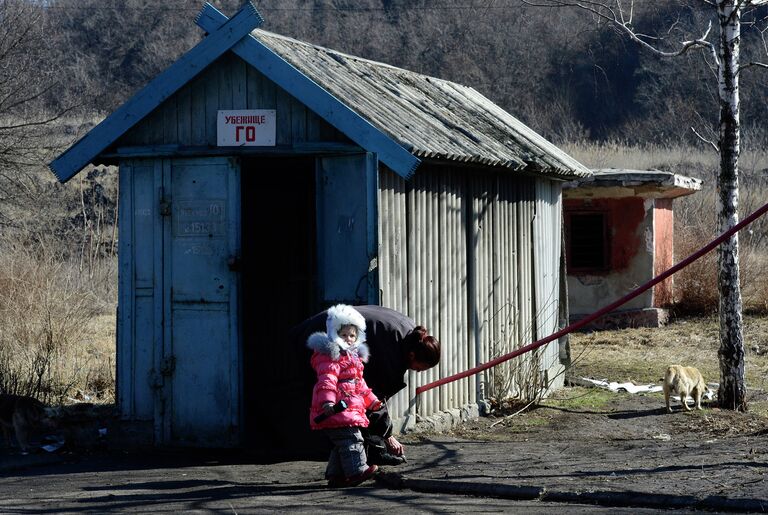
(341, 315)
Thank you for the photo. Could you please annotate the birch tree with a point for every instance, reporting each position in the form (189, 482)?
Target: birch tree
(722, 50)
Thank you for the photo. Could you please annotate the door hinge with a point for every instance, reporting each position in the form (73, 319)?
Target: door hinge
(165, 207)
(155, 379)
(234, 263)
(168, 366)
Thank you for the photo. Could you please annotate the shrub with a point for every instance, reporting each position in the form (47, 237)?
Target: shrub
(48, 315)
(696, 288)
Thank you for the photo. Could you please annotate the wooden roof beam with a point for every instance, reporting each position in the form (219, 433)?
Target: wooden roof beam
(316, 98)
(219, 40)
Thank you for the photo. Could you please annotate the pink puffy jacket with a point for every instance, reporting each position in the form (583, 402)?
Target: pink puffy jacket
(339, 377)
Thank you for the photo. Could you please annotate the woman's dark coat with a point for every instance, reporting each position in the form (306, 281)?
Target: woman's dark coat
(385, 330)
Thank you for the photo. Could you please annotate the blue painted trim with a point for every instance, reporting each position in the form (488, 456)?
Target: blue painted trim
(320, 223)
(164, 297)
(237, 410)
(125, 307)
(316, 98)
(372, 225)
(195, 151)
(159, 89)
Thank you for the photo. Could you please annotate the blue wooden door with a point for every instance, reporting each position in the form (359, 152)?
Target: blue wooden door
(347, 229)
(201, 344)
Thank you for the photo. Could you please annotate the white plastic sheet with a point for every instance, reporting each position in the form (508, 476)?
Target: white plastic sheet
(630, 387)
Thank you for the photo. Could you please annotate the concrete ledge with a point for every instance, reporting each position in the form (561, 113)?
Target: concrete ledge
(395, 481)
(647, 317)
(602, 498)
(445, 420)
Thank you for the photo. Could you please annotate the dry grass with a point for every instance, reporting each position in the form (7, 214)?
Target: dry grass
(695, 224)
(93, 362)
(696, 218)
(641, 355)
(56, 333)
(687, 160)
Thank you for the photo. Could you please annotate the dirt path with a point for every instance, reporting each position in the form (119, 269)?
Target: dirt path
(629, 444)
(583, 452)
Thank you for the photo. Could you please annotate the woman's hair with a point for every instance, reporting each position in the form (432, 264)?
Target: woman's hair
(425, 348)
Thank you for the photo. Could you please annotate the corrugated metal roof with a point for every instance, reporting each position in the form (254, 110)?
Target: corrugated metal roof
(433, 118)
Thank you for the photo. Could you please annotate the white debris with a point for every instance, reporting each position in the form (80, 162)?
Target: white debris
(637, 388)
(55, 442)
(619, 387)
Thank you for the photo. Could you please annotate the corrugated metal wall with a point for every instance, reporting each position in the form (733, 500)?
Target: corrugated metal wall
(474, 257)
(546, 233)
(502, 216)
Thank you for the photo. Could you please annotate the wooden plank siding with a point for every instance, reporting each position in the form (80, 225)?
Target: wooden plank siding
(138, 278)
(146, 102)
(188, 118)
(473, 256)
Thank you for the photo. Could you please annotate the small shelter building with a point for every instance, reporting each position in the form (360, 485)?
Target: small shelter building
(263, 179)
(619, 235)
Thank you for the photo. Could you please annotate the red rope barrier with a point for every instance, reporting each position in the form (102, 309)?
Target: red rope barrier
(597, 314)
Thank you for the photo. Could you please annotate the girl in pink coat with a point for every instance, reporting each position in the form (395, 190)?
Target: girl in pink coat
(341, 397)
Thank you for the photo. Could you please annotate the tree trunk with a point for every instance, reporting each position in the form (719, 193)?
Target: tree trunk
(732, 391)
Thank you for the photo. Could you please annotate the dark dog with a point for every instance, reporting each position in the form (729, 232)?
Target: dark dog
(21, 415)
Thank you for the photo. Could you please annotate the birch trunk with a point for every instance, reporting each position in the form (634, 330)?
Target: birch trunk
(732, 391)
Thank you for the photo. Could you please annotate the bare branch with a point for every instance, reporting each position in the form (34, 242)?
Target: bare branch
(749, 65)
(604, 11)
(705, 140)
(763, 39)
(673, 26)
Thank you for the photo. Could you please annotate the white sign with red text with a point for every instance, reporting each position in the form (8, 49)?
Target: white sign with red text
(246, 128)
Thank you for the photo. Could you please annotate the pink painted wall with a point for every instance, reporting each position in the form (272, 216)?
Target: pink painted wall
(630, 227)
(664, 259)
(624, 218)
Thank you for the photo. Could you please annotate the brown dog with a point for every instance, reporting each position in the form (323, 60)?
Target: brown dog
(684, 381)
(21, 415)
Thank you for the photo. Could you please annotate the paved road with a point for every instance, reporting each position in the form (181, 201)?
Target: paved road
(442, 476)
(174, 484)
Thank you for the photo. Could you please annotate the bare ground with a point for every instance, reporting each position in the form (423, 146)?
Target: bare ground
(623, 450)
(640, 356)
(590, 439)
(582, 446)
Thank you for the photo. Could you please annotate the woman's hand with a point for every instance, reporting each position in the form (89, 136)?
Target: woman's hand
(328, 409)
(394, 447)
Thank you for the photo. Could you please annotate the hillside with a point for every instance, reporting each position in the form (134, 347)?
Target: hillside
(557, 69)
